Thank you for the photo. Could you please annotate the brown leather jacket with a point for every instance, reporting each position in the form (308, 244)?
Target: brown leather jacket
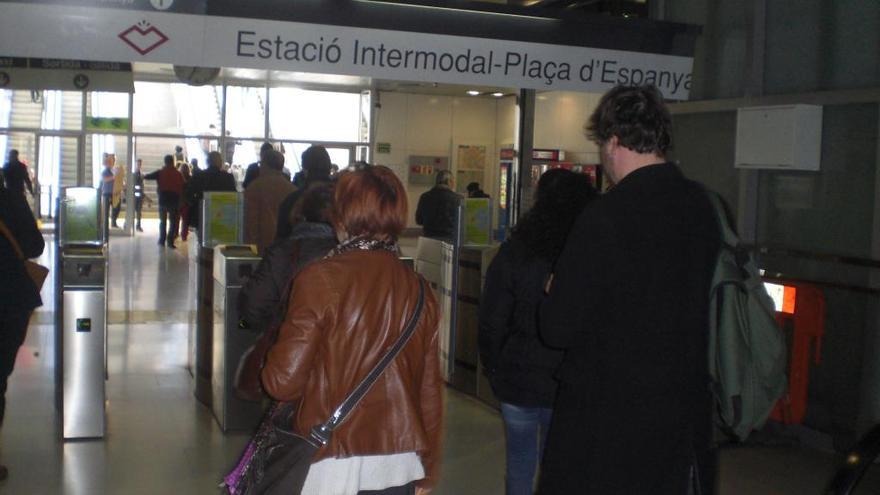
(345, 312)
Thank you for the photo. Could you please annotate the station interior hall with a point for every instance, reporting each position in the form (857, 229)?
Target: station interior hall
(783, 123)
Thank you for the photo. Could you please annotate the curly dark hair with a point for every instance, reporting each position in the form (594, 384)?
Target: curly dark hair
(315, 205)
(638, 117)
(560, 198)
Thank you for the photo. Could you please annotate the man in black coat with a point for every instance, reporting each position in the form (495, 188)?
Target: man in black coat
(213, 179)
(18, 294)
(436, 210)
(15, 175)
(629, 303)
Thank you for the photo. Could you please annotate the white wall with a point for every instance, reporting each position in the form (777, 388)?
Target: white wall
(416, 124)
(560, 117)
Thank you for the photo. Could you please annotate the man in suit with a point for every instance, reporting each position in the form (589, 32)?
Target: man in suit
(629, 302)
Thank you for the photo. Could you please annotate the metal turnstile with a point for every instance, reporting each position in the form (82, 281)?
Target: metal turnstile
(232, 266)
(221, 222)
(81, 315)
(202, 335)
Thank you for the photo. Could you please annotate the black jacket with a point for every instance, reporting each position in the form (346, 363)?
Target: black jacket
(210, 180)
(283, 228)
(16, 177)
(629, 303)
(250, 174)
(17, 290)
(260, 301)
(519, 366)
(436, 212)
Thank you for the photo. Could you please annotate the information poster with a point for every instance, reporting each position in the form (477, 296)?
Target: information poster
(471, 157)
(223, 218)
(477, 221)
(82, 216)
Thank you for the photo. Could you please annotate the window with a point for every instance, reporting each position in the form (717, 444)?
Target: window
(314, 115)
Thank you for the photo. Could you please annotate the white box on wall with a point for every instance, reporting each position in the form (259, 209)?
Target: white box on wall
(779, 137)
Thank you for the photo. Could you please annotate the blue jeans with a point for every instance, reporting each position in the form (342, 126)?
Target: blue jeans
(526, 431)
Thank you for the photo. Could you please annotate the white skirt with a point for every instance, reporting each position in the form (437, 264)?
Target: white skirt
(349, 475)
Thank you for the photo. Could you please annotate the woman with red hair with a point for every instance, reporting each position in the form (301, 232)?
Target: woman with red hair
(345, 312)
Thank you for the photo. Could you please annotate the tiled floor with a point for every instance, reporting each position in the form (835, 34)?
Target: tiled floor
(160, 440)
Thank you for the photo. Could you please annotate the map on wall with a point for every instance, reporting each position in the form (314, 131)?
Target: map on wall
(471, 157)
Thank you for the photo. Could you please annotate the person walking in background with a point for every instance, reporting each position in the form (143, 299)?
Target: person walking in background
(15, 175)
(345, 311)
(107, 192)
(437, 208)
(118, 189)
(140, 194)
(519, 366)
(474, 191)
(316, 170)
(170, 183)
(186, 172)
(212, 179)
(253, 170)
(262, 199)
(229, 147)
(264, 293)
(179, 155)
(18, 293)
(629, 302)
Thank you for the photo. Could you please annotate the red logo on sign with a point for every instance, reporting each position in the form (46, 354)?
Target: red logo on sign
(143, 37)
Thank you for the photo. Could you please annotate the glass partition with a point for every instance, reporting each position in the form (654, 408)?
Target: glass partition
(58, 167)
(314, 115)
(41, 109)
(245, 112)
(189, 110)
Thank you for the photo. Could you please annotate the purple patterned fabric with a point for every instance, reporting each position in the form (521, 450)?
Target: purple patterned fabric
(231, 480)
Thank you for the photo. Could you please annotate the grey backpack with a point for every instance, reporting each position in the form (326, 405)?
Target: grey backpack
(747, 349)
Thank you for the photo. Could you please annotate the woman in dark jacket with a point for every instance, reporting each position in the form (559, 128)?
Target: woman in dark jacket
(18, 294)
(312, 237)
(518, 365)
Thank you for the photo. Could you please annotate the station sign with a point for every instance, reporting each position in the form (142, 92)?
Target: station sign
(177, 34)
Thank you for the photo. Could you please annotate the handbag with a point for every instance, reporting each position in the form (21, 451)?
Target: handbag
(276, 461)
(35, 271)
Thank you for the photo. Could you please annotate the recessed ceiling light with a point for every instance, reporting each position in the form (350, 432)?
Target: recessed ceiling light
(498, 94)
(473, 92)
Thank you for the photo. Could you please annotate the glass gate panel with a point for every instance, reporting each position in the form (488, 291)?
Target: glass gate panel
(57, 167)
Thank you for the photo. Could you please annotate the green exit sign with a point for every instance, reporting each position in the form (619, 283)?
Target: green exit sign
(383, 147)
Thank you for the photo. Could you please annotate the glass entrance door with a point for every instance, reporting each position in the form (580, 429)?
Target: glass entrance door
(58, 166)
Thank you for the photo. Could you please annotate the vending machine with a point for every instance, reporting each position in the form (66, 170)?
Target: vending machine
(507, 161)
(546, 159)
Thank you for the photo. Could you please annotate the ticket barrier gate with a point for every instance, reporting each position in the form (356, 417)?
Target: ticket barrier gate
(81, 315)
(800, 308)
(221, 222)
(231, 337)
(200, 337)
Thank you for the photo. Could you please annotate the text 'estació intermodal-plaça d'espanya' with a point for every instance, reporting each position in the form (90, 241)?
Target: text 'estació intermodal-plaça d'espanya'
(509, 63)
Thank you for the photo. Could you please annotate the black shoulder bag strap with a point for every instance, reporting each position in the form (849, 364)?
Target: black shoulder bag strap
(321, 433)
